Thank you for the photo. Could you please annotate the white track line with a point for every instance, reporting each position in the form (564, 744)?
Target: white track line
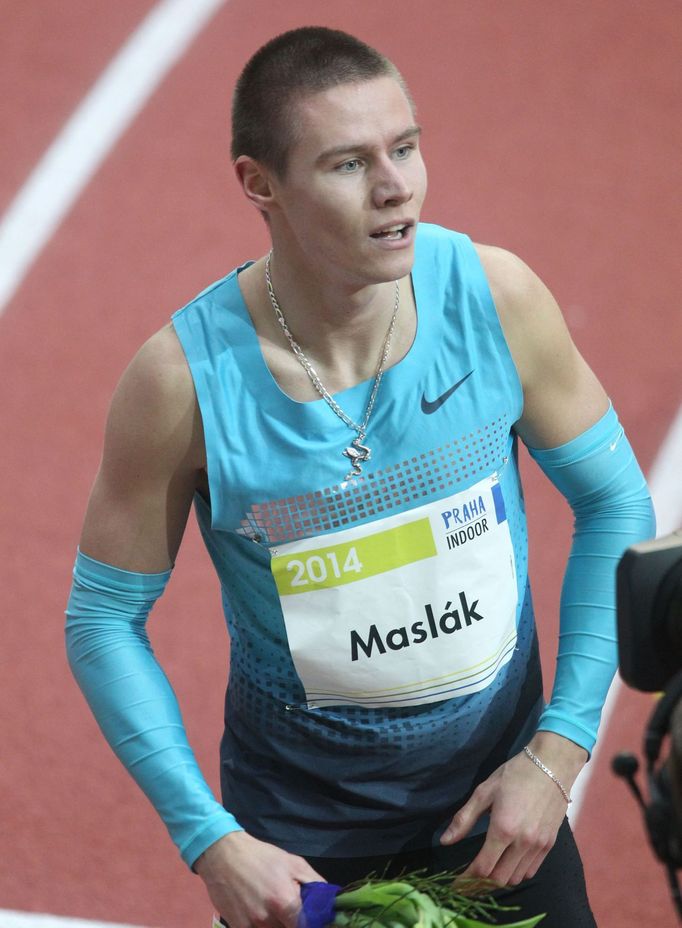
(666, 490)
(67, 166)
(10, 919)
(91, 132)
(665, 482)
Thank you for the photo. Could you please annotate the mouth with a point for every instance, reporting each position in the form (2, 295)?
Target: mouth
(392, 233)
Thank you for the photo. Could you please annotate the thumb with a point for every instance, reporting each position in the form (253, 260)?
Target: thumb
(465, 818)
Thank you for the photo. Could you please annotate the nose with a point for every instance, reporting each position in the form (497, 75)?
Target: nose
(391, 186)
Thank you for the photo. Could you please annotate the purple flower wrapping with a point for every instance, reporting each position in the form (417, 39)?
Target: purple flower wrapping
(318, 904)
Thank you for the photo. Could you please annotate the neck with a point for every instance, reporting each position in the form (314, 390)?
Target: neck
(328, 313)
(341, 330)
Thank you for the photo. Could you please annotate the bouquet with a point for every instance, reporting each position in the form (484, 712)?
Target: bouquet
(415, 900)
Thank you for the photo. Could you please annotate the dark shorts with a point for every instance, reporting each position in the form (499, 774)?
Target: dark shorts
(558, 888)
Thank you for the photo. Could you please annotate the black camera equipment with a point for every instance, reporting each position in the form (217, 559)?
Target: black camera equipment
(649, 607)
(649, 603)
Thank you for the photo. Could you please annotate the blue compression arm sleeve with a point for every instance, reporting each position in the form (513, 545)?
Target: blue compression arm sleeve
(599, 476)
(133, 702)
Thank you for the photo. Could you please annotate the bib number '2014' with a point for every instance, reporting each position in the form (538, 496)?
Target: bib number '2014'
(316, 568)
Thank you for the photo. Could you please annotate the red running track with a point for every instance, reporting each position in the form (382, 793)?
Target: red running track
(551, 129)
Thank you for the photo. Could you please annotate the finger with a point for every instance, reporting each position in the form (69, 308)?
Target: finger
(527, 869)
(485, 862)
(304, 873)
(513, 867)
(522, 859)
(465, 818)
(288, 911)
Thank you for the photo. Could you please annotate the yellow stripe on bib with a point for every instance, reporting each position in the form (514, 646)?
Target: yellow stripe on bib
(337, 565)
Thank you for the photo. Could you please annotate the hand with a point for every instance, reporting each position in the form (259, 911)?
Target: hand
(253, 884)
(526, 811)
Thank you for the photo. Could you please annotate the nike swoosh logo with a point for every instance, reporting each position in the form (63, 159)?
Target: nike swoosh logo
(431, 406)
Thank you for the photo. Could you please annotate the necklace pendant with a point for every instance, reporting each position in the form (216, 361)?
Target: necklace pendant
(357, 453)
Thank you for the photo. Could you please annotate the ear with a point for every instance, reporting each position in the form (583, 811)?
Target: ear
(255, 182)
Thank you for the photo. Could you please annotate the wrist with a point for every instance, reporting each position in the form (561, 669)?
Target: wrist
(215, 854)
(564, 757)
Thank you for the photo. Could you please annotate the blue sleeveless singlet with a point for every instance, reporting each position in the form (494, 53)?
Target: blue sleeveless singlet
(383, 656)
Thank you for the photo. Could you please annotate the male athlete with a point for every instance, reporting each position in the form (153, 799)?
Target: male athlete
(344, 414)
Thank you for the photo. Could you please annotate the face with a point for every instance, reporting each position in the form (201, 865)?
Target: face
(349, 203)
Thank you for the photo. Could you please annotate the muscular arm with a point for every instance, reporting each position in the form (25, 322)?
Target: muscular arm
(574, 435)
(133, 527)
(152, 463)
(561, 395)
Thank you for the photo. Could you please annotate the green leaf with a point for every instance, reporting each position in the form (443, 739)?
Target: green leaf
(418, 900)
(471, 923)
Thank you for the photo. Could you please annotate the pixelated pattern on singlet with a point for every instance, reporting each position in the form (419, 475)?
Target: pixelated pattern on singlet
(431, 473)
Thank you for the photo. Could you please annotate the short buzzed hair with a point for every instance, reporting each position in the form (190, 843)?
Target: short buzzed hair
(299, 62)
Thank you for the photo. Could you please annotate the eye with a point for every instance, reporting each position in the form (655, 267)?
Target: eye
(350, 166)
(403, 152)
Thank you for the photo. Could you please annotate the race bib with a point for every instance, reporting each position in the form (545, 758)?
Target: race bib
(411, 609)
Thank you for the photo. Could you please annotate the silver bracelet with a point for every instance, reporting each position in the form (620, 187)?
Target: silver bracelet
(538, 763)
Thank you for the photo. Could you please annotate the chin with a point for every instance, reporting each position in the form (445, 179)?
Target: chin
(396, 265)
(379, 268)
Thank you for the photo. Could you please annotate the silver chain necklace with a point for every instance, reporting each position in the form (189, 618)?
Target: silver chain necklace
(356, 452)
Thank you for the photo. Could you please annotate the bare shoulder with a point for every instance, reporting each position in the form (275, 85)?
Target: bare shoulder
(562, 396)
(505, 270)
(160, 366)
(154, 407)
(528, 312)
(151, 464)
(530, 316)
